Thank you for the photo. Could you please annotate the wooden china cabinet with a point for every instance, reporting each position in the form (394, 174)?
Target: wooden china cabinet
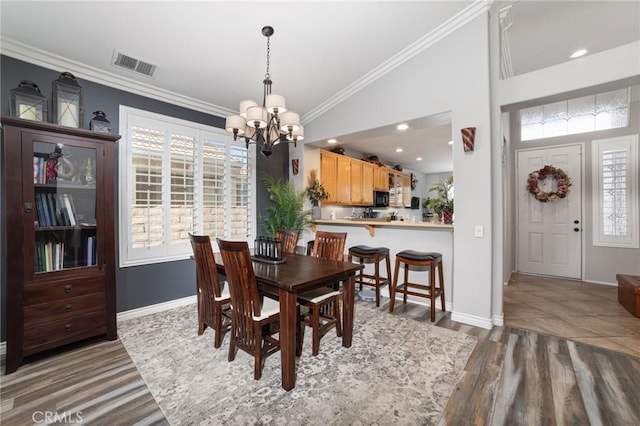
(60, 245)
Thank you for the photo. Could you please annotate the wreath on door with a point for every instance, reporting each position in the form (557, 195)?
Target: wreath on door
(562, 184)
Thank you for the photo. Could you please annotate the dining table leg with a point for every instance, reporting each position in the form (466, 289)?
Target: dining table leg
(288, 318)
(348, 302)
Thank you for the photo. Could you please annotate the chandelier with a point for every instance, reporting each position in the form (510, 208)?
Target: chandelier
(269, 124)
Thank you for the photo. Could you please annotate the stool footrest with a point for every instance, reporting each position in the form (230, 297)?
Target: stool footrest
(404, 288)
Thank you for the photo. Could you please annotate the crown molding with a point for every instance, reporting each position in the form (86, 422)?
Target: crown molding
(457, 21)
(45, 59)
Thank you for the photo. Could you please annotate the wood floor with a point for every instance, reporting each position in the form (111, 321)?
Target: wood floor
(514, 377)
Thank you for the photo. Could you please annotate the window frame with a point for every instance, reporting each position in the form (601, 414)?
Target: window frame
(166, 252)
(630, 144)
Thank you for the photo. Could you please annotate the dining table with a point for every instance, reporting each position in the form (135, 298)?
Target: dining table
(292, 276)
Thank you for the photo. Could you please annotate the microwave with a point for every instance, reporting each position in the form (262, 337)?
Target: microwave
(381, 198)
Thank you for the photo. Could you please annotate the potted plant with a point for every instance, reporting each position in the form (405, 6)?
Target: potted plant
(286, 210)
(316, 193)
(442, 202)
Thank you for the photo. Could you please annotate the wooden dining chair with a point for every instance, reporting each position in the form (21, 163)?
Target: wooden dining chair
(252, 316)
(289, 238)
(324, 303)
(214, 299)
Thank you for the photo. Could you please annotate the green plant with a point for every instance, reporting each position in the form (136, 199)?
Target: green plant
(315, 191)
(443, 199)
(286, 210)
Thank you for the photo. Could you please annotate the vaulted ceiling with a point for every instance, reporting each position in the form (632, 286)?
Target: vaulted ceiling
(211, 54)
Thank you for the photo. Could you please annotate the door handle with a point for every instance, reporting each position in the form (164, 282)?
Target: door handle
(576, 222)
(576, 229)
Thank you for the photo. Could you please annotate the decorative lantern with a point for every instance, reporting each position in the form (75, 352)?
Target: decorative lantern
(27, 102)
(68, 107)
(99, 123)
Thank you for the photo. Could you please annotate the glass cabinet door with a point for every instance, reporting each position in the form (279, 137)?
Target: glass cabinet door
(64, 206)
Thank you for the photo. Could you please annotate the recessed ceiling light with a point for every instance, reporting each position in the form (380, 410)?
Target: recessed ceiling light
(450, 142)
(402, 126)
(332, 141)
(419, 159)
(399, 150)
(578, 53)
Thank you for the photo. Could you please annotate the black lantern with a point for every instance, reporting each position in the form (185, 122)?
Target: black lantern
(99, 123)
(68, 107)
(27, 102)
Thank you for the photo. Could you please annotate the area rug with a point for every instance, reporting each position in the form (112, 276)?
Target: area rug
(397, 371)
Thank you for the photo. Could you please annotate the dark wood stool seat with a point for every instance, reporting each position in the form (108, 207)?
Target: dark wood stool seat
(433, 261)
(367, 254)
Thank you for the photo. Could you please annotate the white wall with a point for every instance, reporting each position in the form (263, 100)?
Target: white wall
(577, 74)
(452, 75)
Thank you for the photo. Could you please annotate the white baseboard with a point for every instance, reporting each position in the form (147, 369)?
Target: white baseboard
(498, 320)
(152, 309)
(601, 283)
(472, 320)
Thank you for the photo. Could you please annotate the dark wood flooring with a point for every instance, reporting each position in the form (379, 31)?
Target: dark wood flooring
(513, 377)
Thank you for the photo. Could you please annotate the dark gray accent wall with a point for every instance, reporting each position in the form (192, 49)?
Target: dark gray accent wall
(136, 286)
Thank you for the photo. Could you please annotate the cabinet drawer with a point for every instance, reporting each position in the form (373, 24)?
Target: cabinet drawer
(56, 333)
(61, 290)
(68, 309)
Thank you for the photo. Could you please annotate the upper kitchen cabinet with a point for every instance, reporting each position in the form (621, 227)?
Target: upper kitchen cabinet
(349, 181)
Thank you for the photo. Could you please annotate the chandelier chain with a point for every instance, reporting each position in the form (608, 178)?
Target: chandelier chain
(268, 74)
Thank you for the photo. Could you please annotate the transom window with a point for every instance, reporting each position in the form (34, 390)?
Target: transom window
(178, 177)
(602, 111)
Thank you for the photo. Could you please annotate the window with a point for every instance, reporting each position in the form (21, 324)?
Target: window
(178, 177)
(615, 192)
(602, 111)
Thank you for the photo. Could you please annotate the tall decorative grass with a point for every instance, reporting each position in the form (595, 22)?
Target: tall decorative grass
(286, 209)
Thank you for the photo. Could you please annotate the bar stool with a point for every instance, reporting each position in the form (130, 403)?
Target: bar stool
(374, 255)
(432, 260)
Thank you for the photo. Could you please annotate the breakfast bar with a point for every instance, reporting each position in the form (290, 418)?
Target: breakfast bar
(398, 236)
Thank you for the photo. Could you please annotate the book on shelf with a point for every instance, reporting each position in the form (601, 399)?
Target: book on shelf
(36, 170)
(39, 170)
(69, 209)
(63, 210)
(51, 209)
(90, 243)
(41, 211)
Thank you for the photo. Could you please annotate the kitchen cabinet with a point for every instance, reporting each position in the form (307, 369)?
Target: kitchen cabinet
(367, 183)
(399, 189)
(356, 181)
(329, 175)
(406, 190)
(343, 179)
(380, 178)
(341, 176)
(59, 186)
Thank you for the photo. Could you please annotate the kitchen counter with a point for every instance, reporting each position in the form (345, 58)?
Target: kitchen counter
(398, 236)
(372, 224)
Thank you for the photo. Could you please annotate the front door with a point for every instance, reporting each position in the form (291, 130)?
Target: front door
(549, 233)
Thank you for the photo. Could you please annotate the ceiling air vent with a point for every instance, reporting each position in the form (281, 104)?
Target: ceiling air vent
(132, 64)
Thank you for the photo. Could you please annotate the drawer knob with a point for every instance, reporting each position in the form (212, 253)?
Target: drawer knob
(67, 288)
(67, 308)
(67, 327)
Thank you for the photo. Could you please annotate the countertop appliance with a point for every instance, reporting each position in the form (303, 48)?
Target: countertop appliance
(381, 198)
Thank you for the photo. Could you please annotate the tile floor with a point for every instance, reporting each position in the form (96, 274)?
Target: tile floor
(575, 310)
